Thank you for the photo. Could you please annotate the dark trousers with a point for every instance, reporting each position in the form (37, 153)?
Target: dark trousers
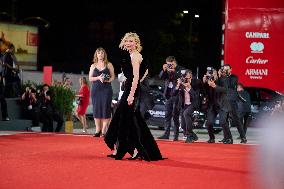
(46, 119)
(3, 107)
(243, 116)
(223, 121)
(12, 89)
(3, 102)
(236, 122)
(58, 117)
(186, 121)
(32, 115)
(172, 111)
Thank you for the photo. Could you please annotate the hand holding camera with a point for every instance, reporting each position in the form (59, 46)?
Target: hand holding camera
(104, 77)
(211, 83)
(170, 67)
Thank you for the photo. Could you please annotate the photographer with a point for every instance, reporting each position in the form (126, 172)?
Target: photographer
(229, 81)
(2, 96)
(217, 104)
(45, 106)
(170, 73)
(31, 106)
(188, 101)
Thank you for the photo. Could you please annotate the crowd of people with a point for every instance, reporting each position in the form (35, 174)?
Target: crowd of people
(38, 106)
(224, 97)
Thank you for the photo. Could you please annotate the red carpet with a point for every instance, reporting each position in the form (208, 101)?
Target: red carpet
(39, 161)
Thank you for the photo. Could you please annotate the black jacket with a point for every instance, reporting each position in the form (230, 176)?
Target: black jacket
(217, 97)
(193, 94)
(230, 83)
(170, 77)
(244, 102)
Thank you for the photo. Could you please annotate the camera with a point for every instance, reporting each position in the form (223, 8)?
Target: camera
(183, 78)
(106, 77)
(209, 75)
(170, 66)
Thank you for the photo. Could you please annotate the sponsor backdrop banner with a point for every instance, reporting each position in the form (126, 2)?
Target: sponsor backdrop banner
(254, 42)
(25, 40)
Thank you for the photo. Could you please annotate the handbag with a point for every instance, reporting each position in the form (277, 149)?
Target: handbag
(79, 101)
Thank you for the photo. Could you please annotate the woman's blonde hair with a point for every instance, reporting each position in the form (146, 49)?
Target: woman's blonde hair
(136, 38)
(95, 60)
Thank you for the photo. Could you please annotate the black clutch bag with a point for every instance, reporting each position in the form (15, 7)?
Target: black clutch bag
(79, 101)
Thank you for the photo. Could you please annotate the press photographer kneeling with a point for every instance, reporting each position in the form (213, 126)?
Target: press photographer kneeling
(188, 101)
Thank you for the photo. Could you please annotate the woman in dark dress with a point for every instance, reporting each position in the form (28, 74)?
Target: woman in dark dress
(101, 75)
(128, 132)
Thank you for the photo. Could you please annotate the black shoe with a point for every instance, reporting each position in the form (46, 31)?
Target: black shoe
(119, 155)
(223, 140)
(243, 141)
(97, 134)
(111, 155)
(228, 141)
(6, 119)
(175, 139)
(164, 137)
(195, 137)
(211, 141)
(189, 140)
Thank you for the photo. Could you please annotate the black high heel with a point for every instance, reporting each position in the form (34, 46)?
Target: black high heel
(112, 155)
(97, 134)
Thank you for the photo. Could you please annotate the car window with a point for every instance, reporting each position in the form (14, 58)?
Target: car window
(253, 95)
(266, 95)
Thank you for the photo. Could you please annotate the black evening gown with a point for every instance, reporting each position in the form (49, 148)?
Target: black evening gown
(128, 130)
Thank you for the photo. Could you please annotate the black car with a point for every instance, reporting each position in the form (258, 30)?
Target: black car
(263, 101)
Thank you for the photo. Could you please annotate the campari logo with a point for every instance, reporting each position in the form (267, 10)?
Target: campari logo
(257, 47)
(256, 73)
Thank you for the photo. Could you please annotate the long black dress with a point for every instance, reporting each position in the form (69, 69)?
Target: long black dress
(127, 129)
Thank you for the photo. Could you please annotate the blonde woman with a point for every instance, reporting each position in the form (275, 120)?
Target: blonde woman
(83, 102)
(101, 75)
(128, 132)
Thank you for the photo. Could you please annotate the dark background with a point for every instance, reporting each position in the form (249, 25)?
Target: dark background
(78, 28)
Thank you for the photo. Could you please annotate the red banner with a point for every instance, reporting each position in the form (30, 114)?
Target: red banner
(254, 42)
(47, 75)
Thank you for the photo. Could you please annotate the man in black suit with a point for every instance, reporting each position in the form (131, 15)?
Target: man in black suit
(170, 73)
(230, 81)
(2, 96)
(10, 72)
(188, 90)
(217, 104)
(244, 105)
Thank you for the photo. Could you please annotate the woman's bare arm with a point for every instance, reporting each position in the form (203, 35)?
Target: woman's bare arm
(135, 61)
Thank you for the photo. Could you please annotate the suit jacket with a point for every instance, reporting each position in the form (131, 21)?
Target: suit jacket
(244, 102)
(193, 95)
(217, 97)
(230, 83)
(170, 77)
